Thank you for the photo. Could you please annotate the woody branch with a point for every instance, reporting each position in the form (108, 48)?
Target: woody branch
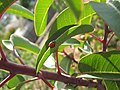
(14, 69)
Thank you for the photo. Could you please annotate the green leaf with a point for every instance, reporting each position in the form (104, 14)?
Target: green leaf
(76, 6)
(100, 0)
(65, 63)
(15, 81)
(40, 16)
(20, 10)
(102, 75)
(71, 41)
(70, 87)
(4, 5)
(65, 18)
(21, 42)
(63, 37)
(86, 48)
(59, 85)
(8, 44)
(18, 86)
(103, 62)
(86, 14)
(112, 85)
(53, 37)
(110, 13)
(103, 65)
(50, 62)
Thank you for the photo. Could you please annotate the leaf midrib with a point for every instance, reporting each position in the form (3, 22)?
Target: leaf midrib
(113, 6)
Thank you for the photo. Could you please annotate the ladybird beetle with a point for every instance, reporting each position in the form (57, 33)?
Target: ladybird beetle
(52, 44)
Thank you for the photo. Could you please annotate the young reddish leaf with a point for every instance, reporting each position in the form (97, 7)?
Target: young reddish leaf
(4, 5)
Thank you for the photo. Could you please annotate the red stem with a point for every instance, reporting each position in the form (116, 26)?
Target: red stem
(7, 79)
(33, 79)
(62, 70)
(17, 56)
(106, 32)
(110, 38)
(70, 57)
(3, 54)
(96, 38)
(41, 77)
(26, 70)
(7, 8)
(57, 63)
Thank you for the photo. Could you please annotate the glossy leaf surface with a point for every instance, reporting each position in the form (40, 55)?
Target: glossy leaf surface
(86, 48)
(53, 37)
(110, 13)
(20, 10)
(63, 37)
(76, 6)
(4, 5)
(112, 85)
(65, 64)
(21, 42)
(40, 16)
(104, 65)
(15, 81)
(102, 75)
(66, 17)
(86, 14)
(100, 62)
(8, 44)
(71, 41)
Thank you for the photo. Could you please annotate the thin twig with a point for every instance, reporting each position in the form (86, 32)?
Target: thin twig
(6, 8)
(57, 63)
(26, 70)
(7, 79)
(96, 38)
(110, 38)
(3, 54)
(106, 32)
(27, 81)
(49, 84)
(17, 56)
(70, 57)
(33, 79)
(62, 70)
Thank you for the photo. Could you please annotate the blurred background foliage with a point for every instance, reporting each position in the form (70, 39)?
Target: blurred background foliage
(15, 24)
